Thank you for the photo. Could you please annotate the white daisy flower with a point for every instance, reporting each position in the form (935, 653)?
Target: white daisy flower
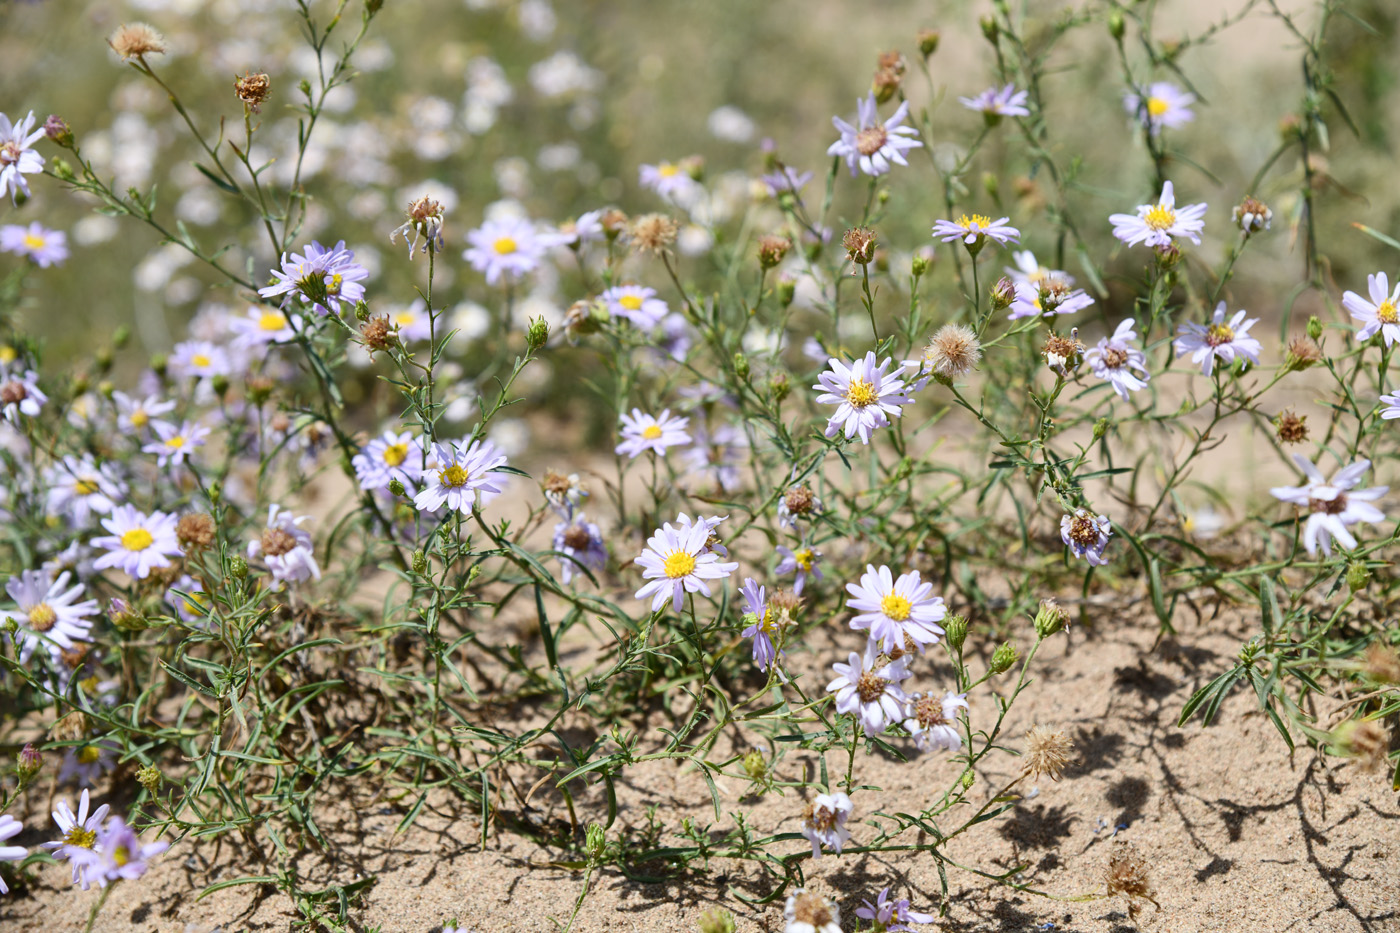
(262, 326)
(20, 394)
(642, 432)
(869, 690)
(1029, 270)
(866, 396)
(17, 159)
(48, 613)
(1160, 104)
(9, 828)
(895, 611)
(802, 562)
(138, 543)
(174, 445)
(995, 103)
(413, 321)
(1050, 296)
(677, 561)
(872, 145)
(388, 458)
(933, 721)
(1378, 314)
(975, 231)
(668, 179)
(1115, 358)
(79, 836)
(509, 247)
(635, 303)
(456, 476)
(824, 822)
(1156, 224)
(79, 488)
(137, 414)
(1219, 340)
(286, 548)
(199, 359)
(1332, 504)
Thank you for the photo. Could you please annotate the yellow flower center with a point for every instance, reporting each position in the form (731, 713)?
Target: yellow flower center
(80, 837)
(395, 454)
(271, 321)
(42, 617)
(201, 360)
(333, 286)
(679, 564)
(668, 170)
(976, 220)
(651, 432)
(8, 354)
(454, 476)
(139, 418)
(1217, 334)
(1160, 217)
(505, 246)
(895, 607)
(137, 539)
(88, 754)
(804, 558)
(631, 302)
(1156, 106)
(769, 622)
(861, 393)
(1386, 313)
(34, 242)
(85, 487)
(175, 442)
(121, 855)
(405, 318)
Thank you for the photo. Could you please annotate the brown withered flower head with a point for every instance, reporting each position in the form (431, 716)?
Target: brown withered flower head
(1048, 751)
(377, 334)
(1302, 352)
(860, 245)
(652, 233)
(772, 249)
(1063, 354)
(1292, 427)
(252, 89)
(136, 40)
(195, 531)
(1127, 875)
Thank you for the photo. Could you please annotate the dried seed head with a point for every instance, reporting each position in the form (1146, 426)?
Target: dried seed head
(252, 89)
(954, 350)
(821, 819)
(1127, 873)
(800, 500)
(1252, 215)
(1063, 354)
(195, 531)
(1047, 752)
(136, 40)
(614, 222)
(1366, 740)
(1382, 664)
(577, 537)
(276, 542)
(892, 60)
(928, 41)
(813, 909)
(783, 607)
(1292, 428)
(772, 249)
(377, 334)
(1302, 352)
(885, 84)
(653, 233)
(860, 245)
(70, 728)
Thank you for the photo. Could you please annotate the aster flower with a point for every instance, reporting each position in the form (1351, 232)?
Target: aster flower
(87, 763)
(1378, 314)
(119, 854)
(1048, 297)
(803, 562)
(1028, 269)
(975, 231)
(1086, 535)
(580, 544)
(458, 476)
(677, 561)
(995, 103)
(286, 547)
(1157, 224)
(809, 912)
(891, 916)
(78, 488)
(933, 721)
(262, 326)
(79, 839)
(413, 321)
(1392, 409)
(20, 394)
(321, 277)
(668, 179)
(785, 179)
(868, 688)
(388, 458)
(871, 145)
(137, 414)
(588, 228)
(17, 159)
(712, 542)
(1332, 504)
(642, 432)
(9, 828)
(798, 503)
(1160, 104)
(138, 543)
(174, 445)
(635, 303)
(763, 623)
(49, 613)
(511, 247)
(1115, 359)
(425, 219)
(1219, 340)
(824, 822)
(44, 247)
(896, 611)
(199, 359)
(865, 395)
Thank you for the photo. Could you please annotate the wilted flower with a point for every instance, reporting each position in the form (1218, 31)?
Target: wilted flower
(1127, 874)
(425, 219)
(1292, 427)
(860, 245)
(1116, 360)
(1047, 752)
(868, 689)
(652, 233)
(1086, 535)
(933, 721)
(136, 40)
(824, 822)
(20, 394)
(809, 912)
(252, 89)
(580, 544)
(995, 103)
(286, 547)
(1252, 216)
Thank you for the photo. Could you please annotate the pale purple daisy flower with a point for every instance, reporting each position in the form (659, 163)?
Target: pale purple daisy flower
(80, 832)
(44, 247)
(138, 543)
(387, 458)
(642, 432)
(871, 145)
(869, 690)
(933, 721)
(975, 231)
(635, 303)
(262, 326)
(119, 854)
(17, 159)
(1115, 359)
(136, 414)
(1378, 314)
(865, 395)
(995, 103)
(896, 611)
(1028, 269)
(286, 547)
(1050, 296)
(802, 562)
(891, 916)
(668, 179)
(458, 475)
(762, 623)
(20, 394)
(1156, 224)
(712, 542)
(580, 544)
(413, 321)
(1086, 535)
(587, 229)
(1160, 104)
(174, 445)
(1333, 504)
(509, 247)
(321, 277)
(9, 828)
(677, 561)
(717, 455)
(199, 359)
(48, 613)
(786, 179)
(1392, 409)
(1218, 340)
(79, 488)
(824, 823)
(87, 763)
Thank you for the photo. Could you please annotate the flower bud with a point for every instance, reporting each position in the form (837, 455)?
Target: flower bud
(159, 362)
(219, 384)
(420, 562)
(968, 779)
(1168, 257)
(772, 249)
(928, 41)
(1003, 293)
(216, 492)
(741, 365)
(537, 334)
(1003, 658)
(58, 131)
(990, 29)
(595, 844)
(1252, 215)
(1358, 575)
(372, 7)
(28, 764)
(919, 266)
(1050, 618)
(126, 617)
(756, 766)
(1116, 26)
(1100, 429)
(237, 567)
(361, 311)
(787, 288)
(149, 777)
(395, 487)
(717, 920)
(779, 386)
(955, 631)
(1314, 328)
(63, 170)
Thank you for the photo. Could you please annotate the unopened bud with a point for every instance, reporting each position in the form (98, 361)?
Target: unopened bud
(741, 365)
(595, 844)
(149, 777)
(1100, 429)
(159, 362)
(58, 131)
(216, 492)
(1050, 618)
(716, 920)
(125, 617)
(361, 311)
(395, 486)
(1314, 328)
(919, 266)
(928, 41)
(537, 334)
(772, 250)
(968, 779)
(420, 562)
(28, 764)
(990, 29)
(955, 631)
(990, 184)
(219, 384)
(1168, 256)
(1358, 575)
(1003, 658)
(779, 386)
(1116, 26)
(238, 567)
(756, 766)
(1003, 293)
(62, 169)
(787, 288)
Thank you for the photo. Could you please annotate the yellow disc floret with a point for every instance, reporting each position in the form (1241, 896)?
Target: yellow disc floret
(137, 539)
(679, 564)
(895, 607)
